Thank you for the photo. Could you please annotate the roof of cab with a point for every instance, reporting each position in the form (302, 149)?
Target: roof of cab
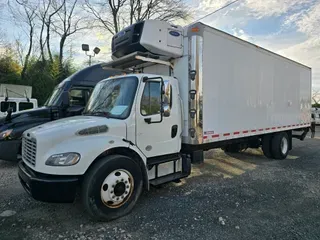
(94, 73)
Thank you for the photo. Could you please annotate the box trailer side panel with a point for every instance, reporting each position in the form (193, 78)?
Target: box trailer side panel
(247, 90)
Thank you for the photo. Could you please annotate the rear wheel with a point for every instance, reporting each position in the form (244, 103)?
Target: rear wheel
(280, 145)
(266, 145)
(112, 187)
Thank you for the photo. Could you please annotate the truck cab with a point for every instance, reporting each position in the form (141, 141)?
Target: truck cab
(16, 105)
(128, 136)
(68, 98)
(15, 98)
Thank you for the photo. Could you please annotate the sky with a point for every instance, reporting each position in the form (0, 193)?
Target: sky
(288, 27)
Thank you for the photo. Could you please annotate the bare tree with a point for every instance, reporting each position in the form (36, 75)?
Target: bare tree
(43, 12)
(113, 15)
(68, 22)
(316, 96)
(24, 12)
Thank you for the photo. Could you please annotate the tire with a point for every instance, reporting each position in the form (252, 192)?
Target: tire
(280, 145)
(112, 179)
(266, 146)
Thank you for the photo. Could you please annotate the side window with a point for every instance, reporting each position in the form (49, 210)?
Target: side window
(25, 106)
(6, 105)
(79, 96)
(150, 102)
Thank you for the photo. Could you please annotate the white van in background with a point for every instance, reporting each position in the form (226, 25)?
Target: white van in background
(16, 97)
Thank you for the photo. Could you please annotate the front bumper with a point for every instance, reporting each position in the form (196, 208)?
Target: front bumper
(9, 150)
(48, 188)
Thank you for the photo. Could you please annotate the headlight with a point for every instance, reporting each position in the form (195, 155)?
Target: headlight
(5, 134)
(63, 159)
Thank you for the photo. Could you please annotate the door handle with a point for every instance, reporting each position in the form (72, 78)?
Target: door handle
(174, 131)
(148, 120)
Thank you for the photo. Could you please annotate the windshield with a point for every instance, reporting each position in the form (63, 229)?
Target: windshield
(113, 98)
(54, 97)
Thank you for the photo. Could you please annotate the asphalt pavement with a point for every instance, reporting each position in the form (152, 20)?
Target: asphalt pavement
(236, 196)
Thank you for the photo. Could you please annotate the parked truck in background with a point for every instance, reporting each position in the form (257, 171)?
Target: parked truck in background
(68, 98)
(315, 113)
(17, 98)
(146, 128)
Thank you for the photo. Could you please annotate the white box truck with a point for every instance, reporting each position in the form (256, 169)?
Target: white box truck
(190, 89)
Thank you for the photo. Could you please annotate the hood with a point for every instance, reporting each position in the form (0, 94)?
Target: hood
(65, 128)
(28, 115)
(25, 119)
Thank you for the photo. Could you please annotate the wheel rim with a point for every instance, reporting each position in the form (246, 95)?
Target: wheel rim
(284, 145)
(117, 188)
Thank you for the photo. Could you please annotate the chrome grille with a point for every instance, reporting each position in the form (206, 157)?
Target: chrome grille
(29, 150)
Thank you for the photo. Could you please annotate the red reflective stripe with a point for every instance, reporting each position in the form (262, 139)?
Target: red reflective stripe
(267, 128)
(279, 127)
(236, 133)
(260, 130)
(245, 131)
(273, 128)
(226, 134)
(205, 137)
(253, 130)
(215, 136)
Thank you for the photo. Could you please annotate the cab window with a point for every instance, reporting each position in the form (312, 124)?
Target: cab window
(25, 106)
(8, 104)
(151, 98)
(79, 96)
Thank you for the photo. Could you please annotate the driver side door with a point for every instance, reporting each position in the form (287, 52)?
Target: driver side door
(160, 136)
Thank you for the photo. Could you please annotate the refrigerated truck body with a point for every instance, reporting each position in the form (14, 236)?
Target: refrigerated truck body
(191, 89)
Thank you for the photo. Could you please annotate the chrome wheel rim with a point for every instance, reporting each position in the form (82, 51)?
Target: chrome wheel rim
(284, 145)
(117, 188)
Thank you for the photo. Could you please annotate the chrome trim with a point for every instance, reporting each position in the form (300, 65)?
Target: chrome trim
(196, 63)
(29, 150)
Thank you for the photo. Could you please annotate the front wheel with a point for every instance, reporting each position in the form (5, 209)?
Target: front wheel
(112, 187)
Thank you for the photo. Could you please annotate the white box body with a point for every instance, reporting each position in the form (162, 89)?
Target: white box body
(242, 89)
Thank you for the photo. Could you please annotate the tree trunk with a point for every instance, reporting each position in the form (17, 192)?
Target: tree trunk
(48, 40)
(115, 21)
(41, 43)
(62, 41)
(26, 61)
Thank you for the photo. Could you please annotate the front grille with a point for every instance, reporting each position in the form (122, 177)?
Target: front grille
(29, 150)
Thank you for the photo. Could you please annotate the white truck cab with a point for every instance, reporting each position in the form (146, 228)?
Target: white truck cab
(146, 127)
(132, 121)
(16, 104)
(16, 98)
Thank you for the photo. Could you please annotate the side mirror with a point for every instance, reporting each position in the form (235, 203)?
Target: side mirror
(9, 113)
(75, 110)
(162, 112)
(166, 114)
(65, 100)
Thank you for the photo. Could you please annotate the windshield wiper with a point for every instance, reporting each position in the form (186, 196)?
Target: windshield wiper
(98, 113)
